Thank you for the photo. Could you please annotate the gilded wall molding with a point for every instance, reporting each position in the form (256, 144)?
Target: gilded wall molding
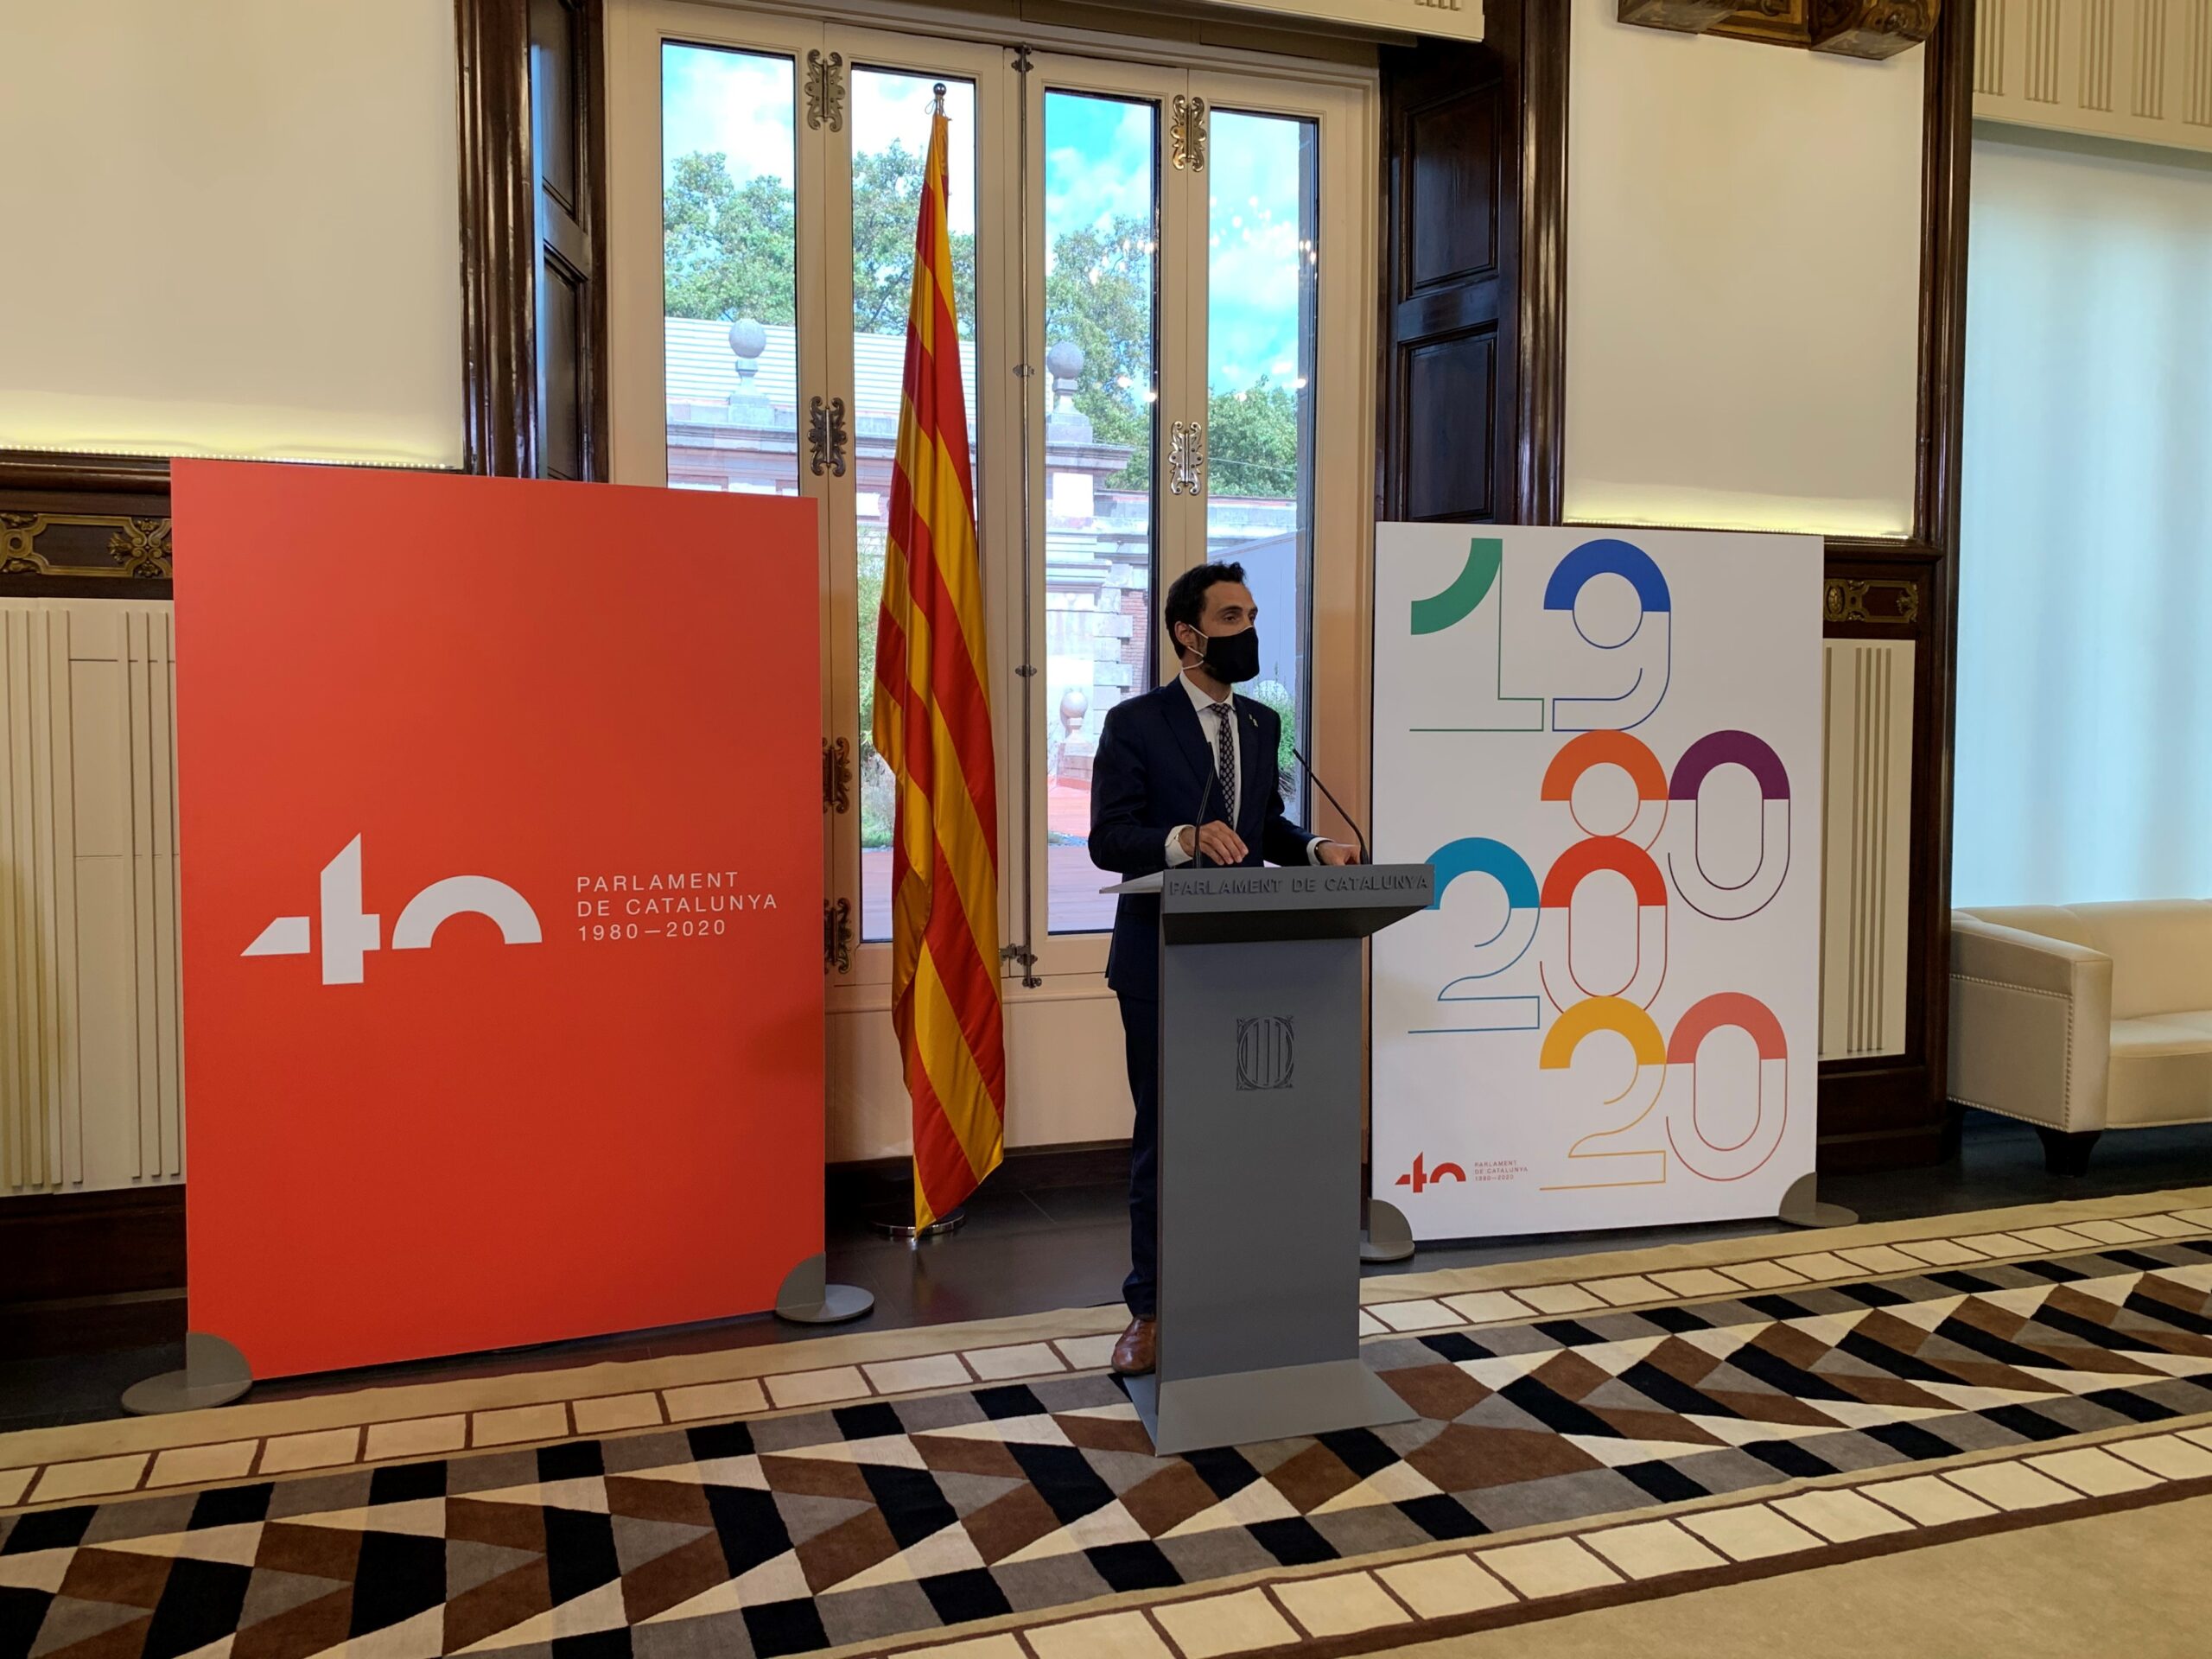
(97, 546)
(1851, 601)
(1852, 28)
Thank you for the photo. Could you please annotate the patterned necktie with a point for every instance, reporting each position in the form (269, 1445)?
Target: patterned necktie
(1224, 756)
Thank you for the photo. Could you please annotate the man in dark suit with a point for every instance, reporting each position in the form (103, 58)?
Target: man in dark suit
(1184, 772)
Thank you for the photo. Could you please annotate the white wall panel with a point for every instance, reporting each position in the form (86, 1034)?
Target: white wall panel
(1066, 1081)
(1743, 283)
(234, 228)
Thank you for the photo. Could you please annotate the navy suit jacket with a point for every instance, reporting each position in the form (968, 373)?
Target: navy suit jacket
(1151, 774)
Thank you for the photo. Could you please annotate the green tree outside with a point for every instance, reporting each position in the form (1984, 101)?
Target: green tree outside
(727, 248)
(1099, 294)
(729, 254)
(1252, 441)
(886, 203)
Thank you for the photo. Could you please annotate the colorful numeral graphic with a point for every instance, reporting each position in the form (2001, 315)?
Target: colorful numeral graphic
(1614, 886)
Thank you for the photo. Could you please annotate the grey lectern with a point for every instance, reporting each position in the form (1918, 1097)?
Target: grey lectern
(1263, 1029)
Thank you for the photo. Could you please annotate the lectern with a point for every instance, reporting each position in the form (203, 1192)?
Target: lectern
(1263, 1028)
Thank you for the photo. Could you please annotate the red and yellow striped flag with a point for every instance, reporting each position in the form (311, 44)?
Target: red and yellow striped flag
(933, 728)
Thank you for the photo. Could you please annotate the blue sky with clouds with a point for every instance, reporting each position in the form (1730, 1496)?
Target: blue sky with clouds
(1100, 162)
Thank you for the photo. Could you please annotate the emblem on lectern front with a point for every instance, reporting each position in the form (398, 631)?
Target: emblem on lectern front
(1265, 1052)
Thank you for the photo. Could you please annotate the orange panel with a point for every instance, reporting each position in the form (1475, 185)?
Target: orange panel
(430, 1115)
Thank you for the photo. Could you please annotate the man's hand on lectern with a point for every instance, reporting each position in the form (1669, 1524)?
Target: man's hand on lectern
(1220, 843)
(1335, 852)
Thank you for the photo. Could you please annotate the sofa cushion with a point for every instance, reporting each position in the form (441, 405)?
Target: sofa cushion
(2161, 950)
(2161, 1070)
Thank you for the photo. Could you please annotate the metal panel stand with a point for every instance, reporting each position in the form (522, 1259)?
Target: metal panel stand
(807, 1296)
(215, 1374)
(1261, 1018)
(1801, 1206)
(1390, 1235)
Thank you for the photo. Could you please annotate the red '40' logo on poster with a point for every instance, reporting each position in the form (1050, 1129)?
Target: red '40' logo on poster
(1417, 1177)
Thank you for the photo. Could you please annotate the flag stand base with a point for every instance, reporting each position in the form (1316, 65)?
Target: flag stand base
(886, 1227)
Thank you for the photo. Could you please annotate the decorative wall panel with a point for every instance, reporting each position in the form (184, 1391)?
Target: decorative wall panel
(91, 1090)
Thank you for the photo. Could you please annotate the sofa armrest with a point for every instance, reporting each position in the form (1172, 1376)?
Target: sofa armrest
(2030, 1025)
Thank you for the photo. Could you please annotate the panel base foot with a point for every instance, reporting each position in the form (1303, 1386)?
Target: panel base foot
(808, 1298)
(1388, 1236)
(1801, 1207)
(215, 1374)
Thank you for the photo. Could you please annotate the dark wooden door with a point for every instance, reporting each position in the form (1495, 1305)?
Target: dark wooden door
(1473, 193)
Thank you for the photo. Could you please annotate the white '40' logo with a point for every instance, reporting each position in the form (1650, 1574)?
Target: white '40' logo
(348, 935)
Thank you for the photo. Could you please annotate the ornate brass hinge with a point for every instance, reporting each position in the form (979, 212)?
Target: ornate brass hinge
(837, 935)
(1186, 458)
(826, 437)
(825, 91)
(836, 775)
(1186, 133)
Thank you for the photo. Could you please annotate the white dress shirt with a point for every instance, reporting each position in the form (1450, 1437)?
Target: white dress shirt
(1210, 723)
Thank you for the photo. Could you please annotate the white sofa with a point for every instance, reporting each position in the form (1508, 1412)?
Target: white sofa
(2083, 1018)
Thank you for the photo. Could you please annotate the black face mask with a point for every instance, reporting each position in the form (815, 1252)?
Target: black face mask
(1233, 659)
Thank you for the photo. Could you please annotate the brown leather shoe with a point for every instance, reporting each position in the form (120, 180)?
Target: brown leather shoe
(1138, 1351)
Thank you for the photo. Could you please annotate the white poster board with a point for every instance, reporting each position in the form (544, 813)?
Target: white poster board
(1609, 744)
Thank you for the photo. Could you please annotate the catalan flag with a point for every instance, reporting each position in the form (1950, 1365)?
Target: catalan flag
(933, 728)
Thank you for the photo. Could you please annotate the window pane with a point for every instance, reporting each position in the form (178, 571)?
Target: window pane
(1102, 283)
(730, 246)
(1262, 257)
(891, 135)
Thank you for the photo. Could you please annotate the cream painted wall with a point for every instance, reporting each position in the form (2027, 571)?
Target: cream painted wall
(234, 228)
(1743, 283)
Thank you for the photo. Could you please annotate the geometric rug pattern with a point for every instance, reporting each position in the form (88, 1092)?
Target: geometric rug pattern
(895, 1519)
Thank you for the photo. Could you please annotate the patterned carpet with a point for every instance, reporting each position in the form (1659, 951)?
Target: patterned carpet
(885, 1522)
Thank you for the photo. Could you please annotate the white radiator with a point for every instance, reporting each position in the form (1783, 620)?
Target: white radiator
(89, 1090)
(1865, 881)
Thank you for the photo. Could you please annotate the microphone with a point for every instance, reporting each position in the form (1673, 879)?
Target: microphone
(1301, 760)
(1205, 797)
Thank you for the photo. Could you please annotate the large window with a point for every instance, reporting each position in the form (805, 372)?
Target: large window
(1102, 518)
(2085, 549)
(1139, 249)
